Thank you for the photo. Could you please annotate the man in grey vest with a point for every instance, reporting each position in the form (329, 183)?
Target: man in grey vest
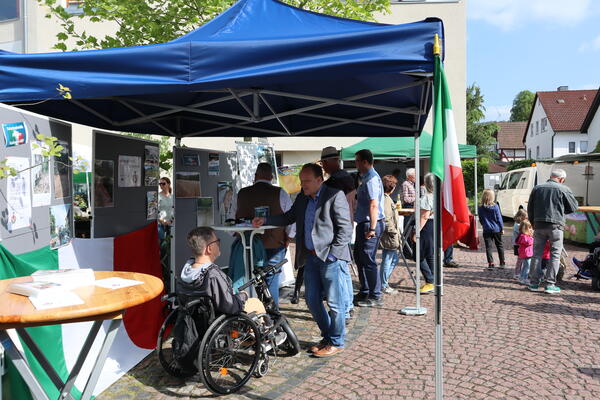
(547, 207)
(264, 194)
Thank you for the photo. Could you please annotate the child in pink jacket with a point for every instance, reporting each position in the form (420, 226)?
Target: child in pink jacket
(525, 242)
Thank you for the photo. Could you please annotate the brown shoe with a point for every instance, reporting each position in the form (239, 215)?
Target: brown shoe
(328, 351)
(316, 347)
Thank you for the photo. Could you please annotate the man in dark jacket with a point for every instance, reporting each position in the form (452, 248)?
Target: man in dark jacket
(323, 232)
(547, 207)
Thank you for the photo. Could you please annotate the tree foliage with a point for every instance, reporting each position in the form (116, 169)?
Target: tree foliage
(140, 22)
(516, 164)
(522, 105)
(479, 133)
(468, 167)
(165, 149)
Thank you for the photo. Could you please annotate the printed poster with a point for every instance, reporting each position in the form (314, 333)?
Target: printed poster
(187, 184)
(60, 177)
(205, 215)
(104, 183)
(15, 133)
(225, 200)
(151, 205)
(130, 171)
(214, 166)
(60, 225)
(40, 177)
(249, 156)
(151, 169)
(190, 160)
(18, 194)
(289, 178)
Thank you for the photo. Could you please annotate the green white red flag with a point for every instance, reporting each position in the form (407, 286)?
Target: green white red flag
(445, 162)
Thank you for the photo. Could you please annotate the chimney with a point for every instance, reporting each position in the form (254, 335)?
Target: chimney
(562, 88)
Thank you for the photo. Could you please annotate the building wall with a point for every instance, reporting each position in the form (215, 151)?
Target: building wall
(454, 16)
(540, 139)
(594, 132)
(562, 139)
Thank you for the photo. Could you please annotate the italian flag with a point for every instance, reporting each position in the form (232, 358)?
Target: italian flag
(134, 252)
(445, 162)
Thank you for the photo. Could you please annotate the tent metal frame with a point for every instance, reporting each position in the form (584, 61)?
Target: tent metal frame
(250, 113)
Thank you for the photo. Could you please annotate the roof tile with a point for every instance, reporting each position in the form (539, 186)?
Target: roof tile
(510, 134)
(567, 109)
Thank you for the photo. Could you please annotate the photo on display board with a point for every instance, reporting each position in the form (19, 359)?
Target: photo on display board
(225, 201)
(104, 183)
(152, 205)
(214, 166)
(60, 180)
(190, 160)
(205, 213)
(15, 133)
(60, 225)
(130, 171)
(18, 195)
(40, 176)
(289, 178)
(151, 169)
(187, 184)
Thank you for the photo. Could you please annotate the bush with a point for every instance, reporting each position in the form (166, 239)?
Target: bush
(468, 167)
(519, 164)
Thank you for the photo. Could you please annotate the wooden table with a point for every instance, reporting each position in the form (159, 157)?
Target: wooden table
(406, 211)
(100, 304)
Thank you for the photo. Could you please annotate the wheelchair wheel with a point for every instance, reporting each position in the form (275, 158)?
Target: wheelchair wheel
(229, 353)
(291, 345)
(164, 348)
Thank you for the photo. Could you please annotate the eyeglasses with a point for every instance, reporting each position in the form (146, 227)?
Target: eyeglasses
(162, 183)
(214, 241)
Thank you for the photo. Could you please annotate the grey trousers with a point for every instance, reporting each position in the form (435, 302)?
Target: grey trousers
(542, 234)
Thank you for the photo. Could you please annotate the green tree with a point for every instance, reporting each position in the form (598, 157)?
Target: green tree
(139, 22)
(522, 105)
(479, 133)
(165, 149)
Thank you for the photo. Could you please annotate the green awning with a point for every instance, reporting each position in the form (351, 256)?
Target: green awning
(401, 147)
(80, 177)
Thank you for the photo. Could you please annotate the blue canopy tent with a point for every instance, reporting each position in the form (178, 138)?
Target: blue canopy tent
(262, 68)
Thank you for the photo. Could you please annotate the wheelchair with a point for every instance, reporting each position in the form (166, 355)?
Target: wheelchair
(230, 349)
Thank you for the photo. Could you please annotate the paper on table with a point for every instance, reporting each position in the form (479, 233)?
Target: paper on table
(63, 299)
(116, 283)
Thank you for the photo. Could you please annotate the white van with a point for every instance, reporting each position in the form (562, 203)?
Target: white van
(513, 192)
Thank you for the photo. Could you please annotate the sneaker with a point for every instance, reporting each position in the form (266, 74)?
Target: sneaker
(502, 266)
(359, 297)
(377, 302)
(491, 266)
(587, 274)
(577, 263)
(534, 288)
(524, 282)
(552, 289)
(427, 288)
(388, 290)
(451, 264)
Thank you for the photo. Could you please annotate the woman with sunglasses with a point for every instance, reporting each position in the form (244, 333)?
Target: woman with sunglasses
(165, 208)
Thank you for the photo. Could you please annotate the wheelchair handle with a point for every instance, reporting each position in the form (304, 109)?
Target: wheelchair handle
(261, 273)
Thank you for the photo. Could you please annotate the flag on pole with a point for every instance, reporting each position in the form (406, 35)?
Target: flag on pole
(445, 162)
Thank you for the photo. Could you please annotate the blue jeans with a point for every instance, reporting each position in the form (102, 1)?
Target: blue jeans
(349, 291)
(272, 280)
(525, 266)
(327, 279)
(364, 255)
(449, 254)
(389, 260)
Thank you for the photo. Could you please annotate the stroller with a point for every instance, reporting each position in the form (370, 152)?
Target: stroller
(589, 268)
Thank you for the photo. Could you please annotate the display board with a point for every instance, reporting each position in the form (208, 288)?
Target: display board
(199, 175)
(124, 184)
(28, 200)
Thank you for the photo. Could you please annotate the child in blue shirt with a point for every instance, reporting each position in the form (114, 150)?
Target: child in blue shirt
(491, 222)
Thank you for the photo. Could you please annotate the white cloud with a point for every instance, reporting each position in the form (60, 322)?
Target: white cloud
(497, 113)
(592, 45)
(507, 14)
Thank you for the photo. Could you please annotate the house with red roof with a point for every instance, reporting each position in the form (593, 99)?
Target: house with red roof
(509, 140)
(591, 124)
(555, 124)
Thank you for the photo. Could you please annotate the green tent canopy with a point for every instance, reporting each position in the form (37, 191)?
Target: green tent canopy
(397, 147)
(79, 177)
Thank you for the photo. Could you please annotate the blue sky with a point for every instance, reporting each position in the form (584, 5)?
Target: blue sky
(537, 45)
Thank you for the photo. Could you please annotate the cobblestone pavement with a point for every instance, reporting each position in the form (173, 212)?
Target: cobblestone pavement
(500, 342)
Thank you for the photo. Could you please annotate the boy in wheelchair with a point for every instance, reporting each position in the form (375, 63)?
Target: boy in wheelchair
(202, 279)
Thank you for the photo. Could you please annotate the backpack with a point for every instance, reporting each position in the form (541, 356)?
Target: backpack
(190, 326)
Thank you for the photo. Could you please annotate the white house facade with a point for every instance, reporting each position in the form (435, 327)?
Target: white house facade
(538, 143)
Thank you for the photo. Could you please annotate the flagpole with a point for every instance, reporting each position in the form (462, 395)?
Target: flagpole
(437, 262)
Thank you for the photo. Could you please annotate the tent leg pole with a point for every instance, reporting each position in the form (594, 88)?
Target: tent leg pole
(475, 204)
(417, 310)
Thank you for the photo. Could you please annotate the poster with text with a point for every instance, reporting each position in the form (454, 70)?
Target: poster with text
(214, 166)
(190, 160)
(60, 176)
(130, 171)
(18, 194)
(15, 133)
(40, 177)
(205, 211)
(225, 200)
(249, 156)
(289, 178)
(104, 183)
(60, 225)
(152, 205)
(187, 184)
(151, 169)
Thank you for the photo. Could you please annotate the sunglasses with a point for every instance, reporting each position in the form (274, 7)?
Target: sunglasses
(162, 183)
